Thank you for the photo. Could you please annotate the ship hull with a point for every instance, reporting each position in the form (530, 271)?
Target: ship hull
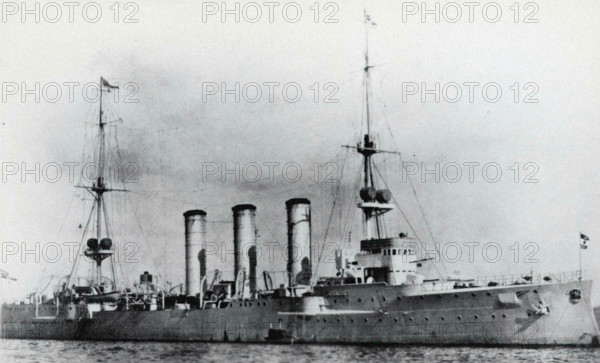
(345, 314)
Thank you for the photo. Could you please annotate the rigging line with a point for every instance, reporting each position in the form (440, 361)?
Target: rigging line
(85, 136)
(78, 256)
(351, 208)
(329, 221)
(407, 221)
(86, 156)
(58, 234)
(110, 234)
(48, 284)
(162, 151)
(123, 274)
(346, 225)
(415, 194)
(424, 218)
(399, 208)
(144, 236)
(92, 157)
(348, 230)
(124, 211)
(121, 175)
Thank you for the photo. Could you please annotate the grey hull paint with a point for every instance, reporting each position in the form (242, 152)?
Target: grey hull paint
(349, 314)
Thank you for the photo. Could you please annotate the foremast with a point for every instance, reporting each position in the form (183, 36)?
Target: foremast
(99, 251)
(99, 248)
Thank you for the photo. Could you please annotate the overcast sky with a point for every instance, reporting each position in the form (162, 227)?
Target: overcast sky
(175, 55)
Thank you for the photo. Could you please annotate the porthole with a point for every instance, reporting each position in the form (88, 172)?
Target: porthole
(399, 298)
(422, 297)
(380, 320)
(504, 315)
(372, 299)
(411, 319)
(528, 314)
(426, 319)
(240, 305)
(443, 318)
(359, 300)
(535, 291)
(459, 317)
(493, 316)
(324, 320)
(337, 320)
(473, 294)
(366, 320)
(488, 293)
(476, 317)
(351, 320)
(395, 320)
(455, 295)
(334, 301)
(383, 298)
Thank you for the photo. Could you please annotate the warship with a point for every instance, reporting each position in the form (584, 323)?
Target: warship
(379, 294)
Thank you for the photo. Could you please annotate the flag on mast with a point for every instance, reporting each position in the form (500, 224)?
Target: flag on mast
(106, 84)
(368, 19)
(584, 240)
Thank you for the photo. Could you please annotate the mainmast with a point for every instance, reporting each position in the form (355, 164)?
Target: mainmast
(366, 70)
(99, 190)
(375, 202)
(368, 143)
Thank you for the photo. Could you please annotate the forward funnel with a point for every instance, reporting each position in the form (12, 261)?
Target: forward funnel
(195, 234)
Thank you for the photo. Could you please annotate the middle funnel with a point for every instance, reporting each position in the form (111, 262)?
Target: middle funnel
(299, 264)
(244, 246)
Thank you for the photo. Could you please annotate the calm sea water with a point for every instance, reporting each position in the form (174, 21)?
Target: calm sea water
(64, 351)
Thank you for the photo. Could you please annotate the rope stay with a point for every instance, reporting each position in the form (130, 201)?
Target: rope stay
(314, 277)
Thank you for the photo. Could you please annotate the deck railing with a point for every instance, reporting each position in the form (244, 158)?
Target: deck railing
(504, 280)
